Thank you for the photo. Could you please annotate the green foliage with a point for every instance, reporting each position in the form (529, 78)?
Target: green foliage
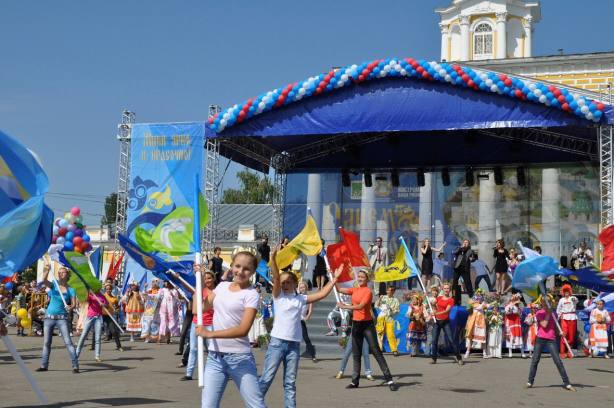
(254, 190)
(29, 274)
(110, 210)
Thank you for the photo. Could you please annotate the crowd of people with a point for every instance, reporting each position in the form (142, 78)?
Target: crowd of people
(241, 314)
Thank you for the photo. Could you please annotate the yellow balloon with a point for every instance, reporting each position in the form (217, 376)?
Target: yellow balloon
(22, 313)
(26, 323)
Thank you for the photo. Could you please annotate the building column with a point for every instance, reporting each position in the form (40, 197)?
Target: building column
(528, 28)
(487, 219)
(368, 216)
(551, 220)
(445, 41)
(464, 27)
(501, 35)
(314, 202)
(424, 210)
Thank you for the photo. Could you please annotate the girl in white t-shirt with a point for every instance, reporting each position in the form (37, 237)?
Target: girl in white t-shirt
(286, 335)
(235, 305)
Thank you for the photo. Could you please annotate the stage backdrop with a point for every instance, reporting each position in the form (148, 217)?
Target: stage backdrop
(164, 159)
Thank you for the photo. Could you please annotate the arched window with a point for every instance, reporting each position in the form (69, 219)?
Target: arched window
(482, 41)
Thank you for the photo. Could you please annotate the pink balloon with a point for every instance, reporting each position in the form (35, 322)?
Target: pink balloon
(75, 211)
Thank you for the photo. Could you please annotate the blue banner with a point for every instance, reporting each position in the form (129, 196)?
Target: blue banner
(164, 161)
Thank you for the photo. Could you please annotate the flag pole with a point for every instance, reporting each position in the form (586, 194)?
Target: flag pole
(199, 285)
(178, 276)
(428, 302)
(542, 288)
(22, 366)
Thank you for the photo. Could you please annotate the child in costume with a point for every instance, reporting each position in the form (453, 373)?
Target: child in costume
(150, 321)
(389, 307)
(428, 315)
(531, 322)
(495, 333)
(598, 335)
(475, 329)
(513, 328)
(416, 333)
(134, 309)
(566, 310)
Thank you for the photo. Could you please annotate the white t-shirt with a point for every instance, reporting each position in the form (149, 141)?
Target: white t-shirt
(288, 312)
(229, 308)
(479, 267)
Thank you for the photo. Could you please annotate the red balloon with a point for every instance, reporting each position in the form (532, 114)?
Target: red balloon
(77, 241)
(425, 74)
(78, 249)
(518, 93)
(556, 93)
(54, 239)
(502, 77)
(465, 77)
(561, 98)
(420, 70)
(62, 231)
(565, 107)
(84, 246)
(470, 84)
(600, 106)
(507, 82)
(361, 78)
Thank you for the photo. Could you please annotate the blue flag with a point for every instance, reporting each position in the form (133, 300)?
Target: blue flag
(409, 260)
(532, 272)
(157, 265)
(264, 271)
(25, 221)
(590, 278)
(96, 261)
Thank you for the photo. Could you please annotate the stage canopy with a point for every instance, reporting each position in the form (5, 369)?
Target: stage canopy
(403, 113)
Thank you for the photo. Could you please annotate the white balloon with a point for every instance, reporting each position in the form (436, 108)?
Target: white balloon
(590, 116)
(442, 72)
(448, 78)
(581, 102)
(226, 115)
(584, 109)
(494, 88)
(344, 77)
(488, 82)
(532, 87)
(301, 91)
(223, 122)
(537, 92)
(383, 73)
(261, 105)
(403, 72)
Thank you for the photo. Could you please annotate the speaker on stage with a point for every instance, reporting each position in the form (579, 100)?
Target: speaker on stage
(445, 177)
(420, 177)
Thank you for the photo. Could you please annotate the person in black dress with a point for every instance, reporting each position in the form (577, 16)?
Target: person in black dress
(501, 255)
(319, 271)
(427, 261)
(215, 264)
(264, 249)
(462, 267)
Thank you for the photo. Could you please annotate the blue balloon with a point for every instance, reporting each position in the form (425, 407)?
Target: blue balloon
(63, 223)
(69, 236)
(8, 286)
(573, 105)
(592, 107)
(597, 114)
(68, 246)
(86, 238)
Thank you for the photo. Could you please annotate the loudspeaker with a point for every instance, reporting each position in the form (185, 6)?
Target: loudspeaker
(394, 177)
(420, 177)
(498, 176)
(345, 179)
(368, 179)
(520, 176)
(445, 177)
(469, 180)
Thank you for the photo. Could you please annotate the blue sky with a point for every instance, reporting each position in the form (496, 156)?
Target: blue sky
(69, 68)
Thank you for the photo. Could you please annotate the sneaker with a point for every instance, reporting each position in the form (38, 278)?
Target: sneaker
(392, 385)
(185, 378)
(181, 365)
(351, 385)
(75, 371)
(98, 360)
(370, 377)
(315, 360)
(433, 362)
(41, 369)
(179, 353)
(569, 387)
(331, 333)
(528, 385)
(395, 353)
(120, 349)
(92, 348)
(339, 375)
(459, 360)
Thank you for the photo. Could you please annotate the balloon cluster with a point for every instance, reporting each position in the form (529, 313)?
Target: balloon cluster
(453, 74)
(24, 319)
(70, 232)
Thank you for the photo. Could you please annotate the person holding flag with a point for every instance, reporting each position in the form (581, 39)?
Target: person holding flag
(96, 303)
(546, 338)
(364, 329)
(285, 344)
(56, 314)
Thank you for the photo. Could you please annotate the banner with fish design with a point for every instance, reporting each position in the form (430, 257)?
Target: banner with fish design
(164, 159)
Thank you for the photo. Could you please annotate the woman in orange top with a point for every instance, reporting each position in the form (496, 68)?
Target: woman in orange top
(364, 329)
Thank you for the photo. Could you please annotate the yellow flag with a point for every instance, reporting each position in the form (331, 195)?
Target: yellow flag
(308, 242)
(397, 270)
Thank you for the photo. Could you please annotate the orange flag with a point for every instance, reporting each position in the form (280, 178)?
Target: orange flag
(355, 251)
(338, 255)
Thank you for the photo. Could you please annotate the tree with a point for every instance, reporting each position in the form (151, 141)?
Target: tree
(110, 210)
(254, 190)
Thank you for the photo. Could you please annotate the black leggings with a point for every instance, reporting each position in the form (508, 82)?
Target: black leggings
(185, 330)
(365, 330)
(113, 330)
(464, 273)
(311, 350)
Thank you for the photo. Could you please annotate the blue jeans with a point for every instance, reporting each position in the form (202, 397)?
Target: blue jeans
(193, 346)
(62, 325)
(91, 322)
(479, 279)
(348, 352)
(241, 368)
(437, 327)
(540, 344)
(280, 351)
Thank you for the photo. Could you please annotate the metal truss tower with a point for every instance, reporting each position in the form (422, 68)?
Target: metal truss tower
(211, 186)
(606, 173)
(123, 183)
(279, 163)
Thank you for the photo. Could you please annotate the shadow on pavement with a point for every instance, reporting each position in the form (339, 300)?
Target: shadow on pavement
(111, 402)
(600, 370)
